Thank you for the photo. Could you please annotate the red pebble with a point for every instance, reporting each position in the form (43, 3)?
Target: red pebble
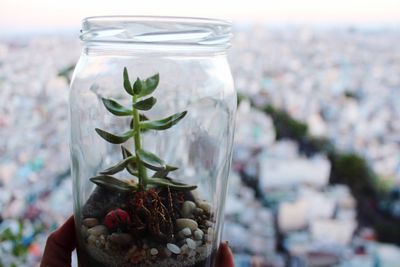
(117, 218)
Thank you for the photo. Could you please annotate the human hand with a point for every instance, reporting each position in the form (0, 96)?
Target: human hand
(59, 246)
(62, 242)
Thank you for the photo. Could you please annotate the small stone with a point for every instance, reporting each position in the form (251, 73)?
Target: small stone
(198, 234)
(92, 239)
(198, 211)
(209, 223)
(191, 244)
(184, 249)
(183, 223)
(167, 252)
(173, 248)
(180, 235)
(90, 222)
(192, 253)
(198, 243)
(120, 239)
(187, 208)
(97, 230)
(204, 206)
(153, 251)
(186, 231)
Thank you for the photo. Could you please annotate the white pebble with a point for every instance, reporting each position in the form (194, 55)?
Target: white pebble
(97, 230)
(183, 223)
(204, 206)
(184, 248)
(102, 239)
(209, 223)
(192, 253)
(198, 234)
(90, 222)
(186, 231)
(191, 244)
(187, 208)
(173, 248)
(153, 251)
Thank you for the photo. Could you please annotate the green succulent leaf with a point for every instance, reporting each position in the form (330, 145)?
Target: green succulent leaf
(164, 172)
(149, 85)
(143, 117)
(131, 168)
(137, 162)
(127, 83)
(125, 152)
(112, 183)
(115, 139)
(145, 104)
(170, 183)
(115, 108)
(137, 86)
(163, 124)
(132, 125)
(150, 160)
(120, 165)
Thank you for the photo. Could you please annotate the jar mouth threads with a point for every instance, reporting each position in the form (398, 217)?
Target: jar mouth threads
(155, 30)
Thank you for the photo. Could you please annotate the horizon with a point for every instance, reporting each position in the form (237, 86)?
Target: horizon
(19, 16)
(237, 25)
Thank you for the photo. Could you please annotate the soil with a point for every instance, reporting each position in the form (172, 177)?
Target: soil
(85, 260)
(186, 236)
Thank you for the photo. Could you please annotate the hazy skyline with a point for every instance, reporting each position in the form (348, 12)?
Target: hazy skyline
(20, 15)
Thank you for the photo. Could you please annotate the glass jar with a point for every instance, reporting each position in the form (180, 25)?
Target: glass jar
(152, 108)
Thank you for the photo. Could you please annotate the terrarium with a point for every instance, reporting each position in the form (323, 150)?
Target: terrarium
(152, 108)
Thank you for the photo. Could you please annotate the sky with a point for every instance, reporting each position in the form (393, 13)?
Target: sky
(26, 15)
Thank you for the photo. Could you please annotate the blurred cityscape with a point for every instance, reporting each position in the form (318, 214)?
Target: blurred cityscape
(315, 177)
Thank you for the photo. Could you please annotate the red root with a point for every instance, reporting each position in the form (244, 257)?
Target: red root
(149, 214)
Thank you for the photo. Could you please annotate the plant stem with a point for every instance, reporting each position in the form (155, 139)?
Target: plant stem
(141, 169)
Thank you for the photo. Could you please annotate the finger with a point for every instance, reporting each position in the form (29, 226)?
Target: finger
(60, 245)
(225, 256)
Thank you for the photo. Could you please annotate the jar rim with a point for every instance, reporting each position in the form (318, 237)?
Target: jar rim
(157, 30)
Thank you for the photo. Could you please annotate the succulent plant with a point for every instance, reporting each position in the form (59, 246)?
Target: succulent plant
(138, 162)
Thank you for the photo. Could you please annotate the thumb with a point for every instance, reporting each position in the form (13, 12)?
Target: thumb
(60, 245)
(225, 256)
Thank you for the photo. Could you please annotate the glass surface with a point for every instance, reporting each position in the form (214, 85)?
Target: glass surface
(189, 55)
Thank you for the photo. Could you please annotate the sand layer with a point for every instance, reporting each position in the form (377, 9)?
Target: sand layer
(98, 257)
